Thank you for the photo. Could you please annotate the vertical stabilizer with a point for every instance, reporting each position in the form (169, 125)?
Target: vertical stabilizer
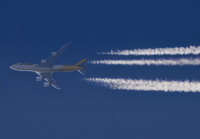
(82, 63)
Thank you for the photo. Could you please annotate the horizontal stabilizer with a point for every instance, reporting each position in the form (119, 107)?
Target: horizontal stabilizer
(82, 71)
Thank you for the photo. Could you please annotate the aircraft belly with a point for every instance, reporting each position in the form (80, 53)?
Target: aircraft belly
(43, 69)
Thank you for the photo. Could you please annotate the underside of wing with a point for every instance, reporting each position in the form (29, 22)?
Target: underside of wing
(55, 86)
(50, 80)
(52, 59)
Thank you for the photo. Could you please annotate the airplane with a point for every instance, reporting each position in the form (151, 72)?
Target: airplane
(47, 67)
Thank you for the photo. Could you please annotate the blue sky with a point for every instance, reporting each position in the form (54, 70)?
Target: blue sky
(31, 30)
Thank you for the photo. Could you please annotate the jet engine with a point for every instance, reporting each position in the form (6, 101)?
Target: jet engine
(46, 84)
(43, 61)
(54, 53)
(38, 78)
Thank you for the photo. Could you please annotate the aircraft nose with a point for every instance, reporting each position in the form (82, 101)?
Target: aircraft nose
(12, 66)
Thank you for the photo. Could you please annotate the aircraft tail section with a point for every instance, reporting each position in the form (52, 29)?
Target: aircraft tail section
(82, 63)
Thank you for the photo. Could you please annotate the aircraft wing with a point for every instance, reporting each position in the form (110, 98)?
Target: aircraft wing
(48, 77)
(52, 59)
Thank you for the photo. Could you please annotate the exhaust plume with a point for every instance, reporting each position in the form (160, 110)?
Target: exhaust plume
(147, 85)
(166, 62)
(194, 50)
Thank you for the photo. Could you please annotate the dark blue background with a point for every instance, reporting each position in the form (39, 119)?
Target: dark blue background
(30, 30)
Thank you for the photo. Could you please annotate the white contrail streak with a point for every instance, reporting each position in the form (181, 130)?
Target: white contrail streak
(194, 50)
(147, 85)
(166, 62)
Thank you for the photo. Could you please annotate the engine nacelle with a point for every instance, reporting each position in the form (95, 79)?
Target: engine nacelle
(54, 53)
(46, 84)
(38, 78)
(43, 61)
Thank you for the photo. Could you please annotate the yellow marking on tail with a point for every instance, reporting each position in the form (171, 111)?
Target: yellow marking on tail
(80, 62)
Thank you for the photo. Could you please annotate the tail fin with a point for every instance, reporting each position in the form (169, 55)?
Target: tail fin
(83, 64)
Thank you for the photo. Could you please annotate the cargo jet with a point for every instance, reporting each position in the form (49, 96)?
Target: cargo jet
(47, 67)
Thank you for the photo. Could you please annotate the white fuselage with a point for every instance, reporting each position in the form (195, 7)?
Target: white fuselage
(36, 68)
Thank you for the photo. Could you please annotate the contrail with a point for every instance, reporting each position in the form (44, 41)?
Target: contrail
(194, 50)
(166, 62)
(147, 85)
